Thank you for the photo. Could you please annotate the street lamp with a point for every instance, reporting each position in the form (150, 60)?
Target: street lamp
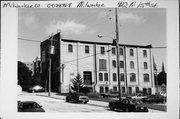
(100, 36)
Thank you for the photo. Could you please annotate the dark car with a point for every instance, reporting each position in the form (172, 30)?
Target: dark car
(74, 97)
(127, 105)
(154, 99)
(29, 106)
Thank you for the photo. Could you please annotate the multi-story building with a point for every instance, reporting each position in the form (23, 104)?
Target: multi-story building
(96, 63)
(30, 66)
(36, 71)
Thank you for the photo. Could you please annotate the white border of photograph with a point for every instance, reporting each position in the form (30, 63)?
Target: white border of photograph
(8, 80)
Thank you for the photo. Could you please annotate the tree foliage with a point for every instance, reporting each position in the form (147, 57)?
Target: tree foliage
(24, 75)
(78, 85)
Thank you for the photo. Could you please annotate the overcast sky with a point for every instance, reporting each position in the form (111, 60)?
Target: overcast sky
(136, 27)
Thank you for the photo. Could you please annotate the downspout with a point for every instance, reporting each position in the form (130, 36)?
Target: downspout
(77, 59)
(95, 62)
(109, 66)
(125, 73)
(138, 65)
(152, 76)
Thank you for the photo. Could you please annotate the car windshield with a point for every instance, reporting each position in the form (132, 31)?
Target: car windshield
(30, 105)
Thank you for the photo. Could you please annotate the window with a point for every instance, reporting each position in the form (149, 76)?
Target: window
(102, 65)
(43, 56)
(131, 52)
(105, 76)
(102, 50)
(131, 65)
(149, 91)
(122, 76)
(145, 65)
(137, 89)
(86, 49)
(121, 64)
(132, 77)
(121, 51)
(101, 89)
(106, 89)
(146, 77)
(115, 89)
(70, 48)
(123, 89)
(114, 51)
(130, 90)
(144, 53)
(114, 77)
(114, 63)
(100, 77)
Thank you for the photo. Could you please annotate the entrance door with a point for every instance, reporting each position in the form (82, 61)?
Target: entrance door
(87, 77)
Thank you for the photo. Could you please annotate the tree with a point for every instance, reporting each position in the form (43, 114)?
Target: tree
(78, 85)
(24, 76)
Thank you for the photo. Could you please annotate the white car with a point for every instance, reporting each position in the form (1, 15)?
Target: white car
(36, 88)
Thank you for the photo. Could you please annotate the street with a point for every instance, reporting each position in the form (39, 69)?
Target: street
(57, 105)
(54, 104)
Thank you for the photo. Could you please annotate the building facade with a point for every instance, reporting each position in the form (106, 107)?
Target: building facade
(96, 63)
(30, 66)
(37, 70)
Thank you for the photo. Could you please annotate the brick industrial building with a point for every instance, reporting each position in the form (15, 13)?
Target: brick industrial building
(96, 63)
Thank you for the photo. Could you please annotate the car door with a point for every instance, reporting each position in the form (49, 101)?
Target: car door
(123, 104)
(119, 104)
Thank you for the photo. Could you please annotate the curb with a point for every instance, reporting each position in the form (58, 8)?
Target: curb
(89, 103)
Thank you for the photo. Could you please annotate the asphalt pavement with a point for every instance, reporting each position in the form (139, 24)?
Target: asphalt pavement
(91, 102)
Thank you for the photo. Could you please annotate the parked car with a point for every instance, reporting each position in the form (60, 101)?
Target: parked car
(36, 88)
(29, 106)
(138, 96)
(154, 99)
(111, 94)
(114, 94)
(127, 105)
(105, 95)
(74, 97)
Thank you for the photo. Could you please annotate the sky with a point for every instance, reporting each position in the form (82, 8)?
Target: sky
(136, 27)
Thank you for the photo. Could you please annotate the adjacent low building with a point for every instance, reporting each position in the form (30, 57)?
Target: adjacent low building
(96, 63)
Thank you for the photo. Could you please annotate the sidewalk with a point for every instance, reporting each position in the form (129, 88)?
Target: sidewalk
(61, 97)
(91, 102)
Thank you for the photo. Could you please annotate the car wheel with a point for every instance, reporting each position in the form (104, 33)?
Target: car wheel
(67, 100)
(111, 107)
(85, 102)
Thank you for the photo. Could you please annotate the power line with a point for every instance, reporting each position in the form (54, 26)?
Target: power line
(159, 47)
(29, 40)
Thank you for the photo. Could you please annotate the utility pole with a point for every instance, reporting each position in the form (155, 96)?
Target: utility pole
(51, 51)
(60, 67)
(117, 50)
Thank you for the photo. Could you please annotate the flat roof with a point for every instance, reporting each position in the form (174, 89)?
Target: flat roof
(56, 36)
(104, 43)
